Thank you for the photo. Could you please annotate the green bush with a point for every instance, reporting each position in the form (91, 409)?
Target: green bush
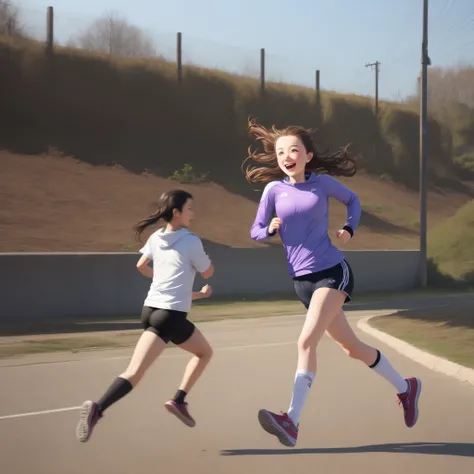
(466, 161)
(451, 245)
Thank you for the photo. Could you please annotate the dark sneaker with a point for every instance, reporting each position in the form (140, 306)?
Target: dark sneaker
(409, 401)
(180, 410)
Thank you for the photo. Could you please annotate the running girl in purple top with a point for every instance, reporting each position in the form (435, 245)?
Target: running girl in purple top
(298, 188)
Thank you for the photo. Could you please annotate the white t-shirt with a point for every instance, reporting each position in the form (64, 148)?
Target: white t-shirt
(177, 256)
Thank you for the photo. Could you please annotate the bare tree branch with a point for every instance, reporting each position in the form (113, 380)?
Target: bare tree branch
(113, 35)
(10, 19)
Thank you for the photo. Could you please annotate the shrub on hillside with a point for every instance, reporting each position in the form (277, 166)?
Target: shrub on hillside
(466, 161)
(451, 245)
(400, 129)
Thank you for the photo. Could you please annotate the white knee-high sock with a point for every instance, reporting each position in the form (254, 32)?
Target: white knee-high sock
(383, 367)
(302, 384)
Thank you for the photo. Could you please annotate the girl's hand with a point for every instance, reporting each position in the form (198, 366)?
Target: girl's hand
(206, 291)
(343, 235)
(274, 225)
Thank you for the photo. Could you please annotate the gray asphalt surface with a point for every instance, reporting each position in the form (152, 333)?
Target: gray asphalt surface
(351, 423)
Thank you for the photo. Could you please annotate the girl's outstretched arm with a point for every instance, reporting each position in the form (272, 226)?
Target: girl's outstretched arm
(259, 229)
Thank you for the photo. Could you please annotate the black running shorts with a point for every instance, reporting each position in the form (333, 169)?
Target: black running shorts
(169, 325)
(339, 277)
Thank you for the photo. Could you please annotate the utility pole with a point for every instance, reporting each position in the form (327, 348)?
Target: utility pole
(423, 180)
(377, 70)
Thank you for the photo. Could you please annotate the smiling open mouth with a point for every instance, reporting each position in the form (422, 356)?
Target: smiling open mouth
(290, 166)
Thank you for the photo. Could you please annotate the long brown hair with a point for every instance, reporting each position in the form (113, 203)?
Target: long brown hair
(174, 199)
(339, 163)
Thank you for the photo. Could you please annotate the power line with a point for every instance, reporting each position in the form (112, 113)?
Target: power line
(450, 8)
(444, 6)
(467, 44)
(459, 24)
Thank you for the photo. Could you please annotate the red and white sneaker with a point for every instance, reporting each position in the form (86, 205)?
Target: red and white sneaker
(280, 426)
(409, 401)
(180, 410)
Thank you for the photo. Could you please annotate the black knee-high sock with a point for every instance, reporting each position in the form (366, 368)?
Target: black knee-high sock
(119, 388)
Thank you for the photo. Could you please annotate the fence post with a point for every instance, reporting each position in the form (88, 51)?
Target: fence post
(262, 71)
(49, 31)
(319, 108)
(318, 88)
(179, 57)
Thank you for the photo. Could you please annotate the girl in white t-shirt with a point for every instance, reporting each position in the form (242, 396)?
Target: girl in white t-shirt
(177, 254)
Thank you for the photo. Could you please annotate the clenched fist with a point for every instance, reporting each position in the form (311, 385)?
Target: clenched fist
(274, 225)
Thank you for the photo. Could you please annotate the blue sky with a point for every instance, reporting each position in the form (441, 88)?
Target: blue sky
(336, 36)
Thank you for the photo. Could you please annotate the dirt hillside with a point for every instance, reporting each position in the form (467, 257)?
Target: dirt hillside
(56, 203)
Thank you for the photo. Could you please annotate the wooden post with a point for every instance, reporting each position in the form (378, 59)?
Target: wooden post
(262, 71)
(319, 113)
(50, 31)
(179, 57)
(318, 88)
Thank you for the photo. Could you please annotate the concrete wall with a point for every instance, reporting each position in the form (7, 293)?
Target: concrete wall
(94, 284)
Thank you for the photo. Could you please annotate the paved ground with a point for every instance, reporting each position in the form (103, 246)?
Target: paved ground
(351, 423)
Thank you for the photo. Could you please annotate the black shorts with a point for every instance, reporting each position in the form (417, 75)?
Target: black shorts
(168, 324)
(339, 277)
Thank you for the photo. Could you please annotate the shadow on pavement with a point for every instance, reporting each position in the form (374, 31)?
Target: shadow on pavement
(444, 449)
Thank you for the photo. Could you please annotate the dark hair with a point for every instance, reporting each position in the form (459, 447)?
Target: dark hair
(174, 199)
(340, 163)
